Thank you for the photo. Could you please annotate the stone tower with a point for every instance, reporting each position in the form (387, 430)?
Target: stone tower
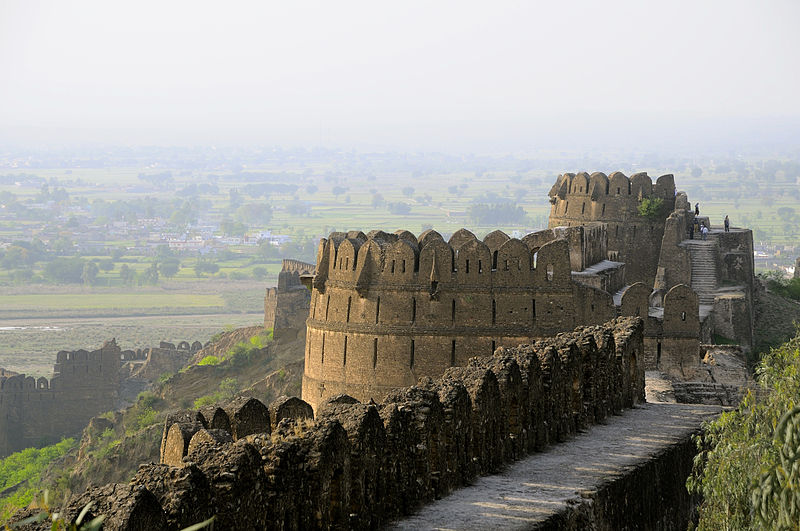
(579, 199)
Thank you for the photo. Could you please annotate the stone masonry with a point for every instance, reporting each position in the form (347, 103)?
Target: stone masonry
(358, 466)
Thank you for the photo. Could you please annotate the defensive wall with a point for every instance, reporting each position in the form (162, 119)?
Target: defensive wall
(286, 305)
(35, 412)
(40, 411)
(357, 465)
(580, 199)
(389, 308)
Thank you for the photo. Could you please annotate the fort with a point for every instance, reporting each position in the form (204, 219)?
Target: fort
(286, 305)
(431, 362)
(361, 465)
(387, 309)
(40, 411)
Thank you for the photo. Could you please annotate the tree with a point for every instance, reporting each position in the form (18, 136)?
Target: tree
(338, 190)
(149, 275)
(65, 270)
(169, 267)
(254, 213)
(786, 213)
(89, 274)
(741, 450)
(127, 275)
(202, 267)
(230, 227)
(408, 191)
(399, 208)
(260, 273)
(496, 214)
(106, 265)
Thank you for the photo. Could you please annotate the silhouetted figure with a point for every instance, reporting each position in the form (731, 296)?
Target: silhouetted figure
(697, 209)
(691, 231)
(727, 224)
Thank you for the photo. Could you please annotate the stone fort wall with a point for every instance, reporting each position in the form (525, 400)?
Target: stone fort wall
(578, 199)
(357, 466)
(35, 412)
(389, 308)
(286, 305)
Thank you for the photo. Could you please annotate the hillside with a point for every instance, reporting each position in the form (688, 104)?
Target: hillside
(114, 444)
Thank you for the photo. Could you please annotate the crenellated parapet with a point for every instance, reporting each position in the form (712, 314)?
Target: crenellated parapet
(286, 305)
(358, 465)
(33, 410)
(633, 238)
(389, 308)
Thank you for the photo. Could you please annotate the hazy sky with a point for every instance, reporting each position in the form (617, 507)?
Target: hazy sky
(407, 74)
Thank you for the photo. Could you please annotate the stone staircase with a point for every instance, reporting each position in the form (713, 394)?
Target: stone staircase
(704, 268)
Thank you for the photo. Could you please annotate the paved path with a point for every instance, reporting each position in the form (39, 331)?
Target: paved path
(541, 485)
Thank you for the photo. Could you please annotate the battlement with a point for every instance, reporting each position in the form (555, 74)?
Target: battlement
(389, 308)
(378, 258)
(598, 187)
(358, 465)
(581, 199)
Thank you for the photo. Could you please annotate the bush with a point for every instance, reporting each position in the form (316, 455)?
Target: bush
(650, 208)
(228, 388)
(24, 468)
(740, 446)
(209, 360)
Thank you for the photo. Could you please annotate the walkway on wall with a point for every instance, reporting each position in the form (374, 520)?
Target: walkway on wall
(704, 268)
(563, 484)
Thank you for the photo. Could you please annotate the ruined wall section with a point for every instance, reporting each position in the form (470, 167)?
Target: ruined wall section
(389, 308)
(588, 244)
(286, 305)
(358, 466)
(579, 199)
(39, 411)
(674, 262)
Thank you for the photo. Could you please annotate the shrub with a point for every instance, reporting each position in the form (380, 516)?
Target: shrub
(742, 446)
(651, 207)
(209, 360)
(25, 468)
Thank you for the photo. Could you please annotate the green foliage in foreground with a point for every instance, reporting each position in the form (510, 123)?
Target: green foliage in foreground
(743, 448)
(24, 468)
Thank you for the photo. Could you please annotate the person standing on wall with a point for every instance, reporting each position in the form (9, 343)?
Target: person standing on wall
(697, 209)
(727, 224)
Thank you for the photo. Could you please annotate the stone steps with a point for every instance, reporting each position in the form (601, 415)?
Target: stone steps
(704, 268)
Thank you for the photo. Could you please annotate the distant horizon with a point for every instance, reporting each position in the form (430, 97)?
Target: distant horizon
(593, 136)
